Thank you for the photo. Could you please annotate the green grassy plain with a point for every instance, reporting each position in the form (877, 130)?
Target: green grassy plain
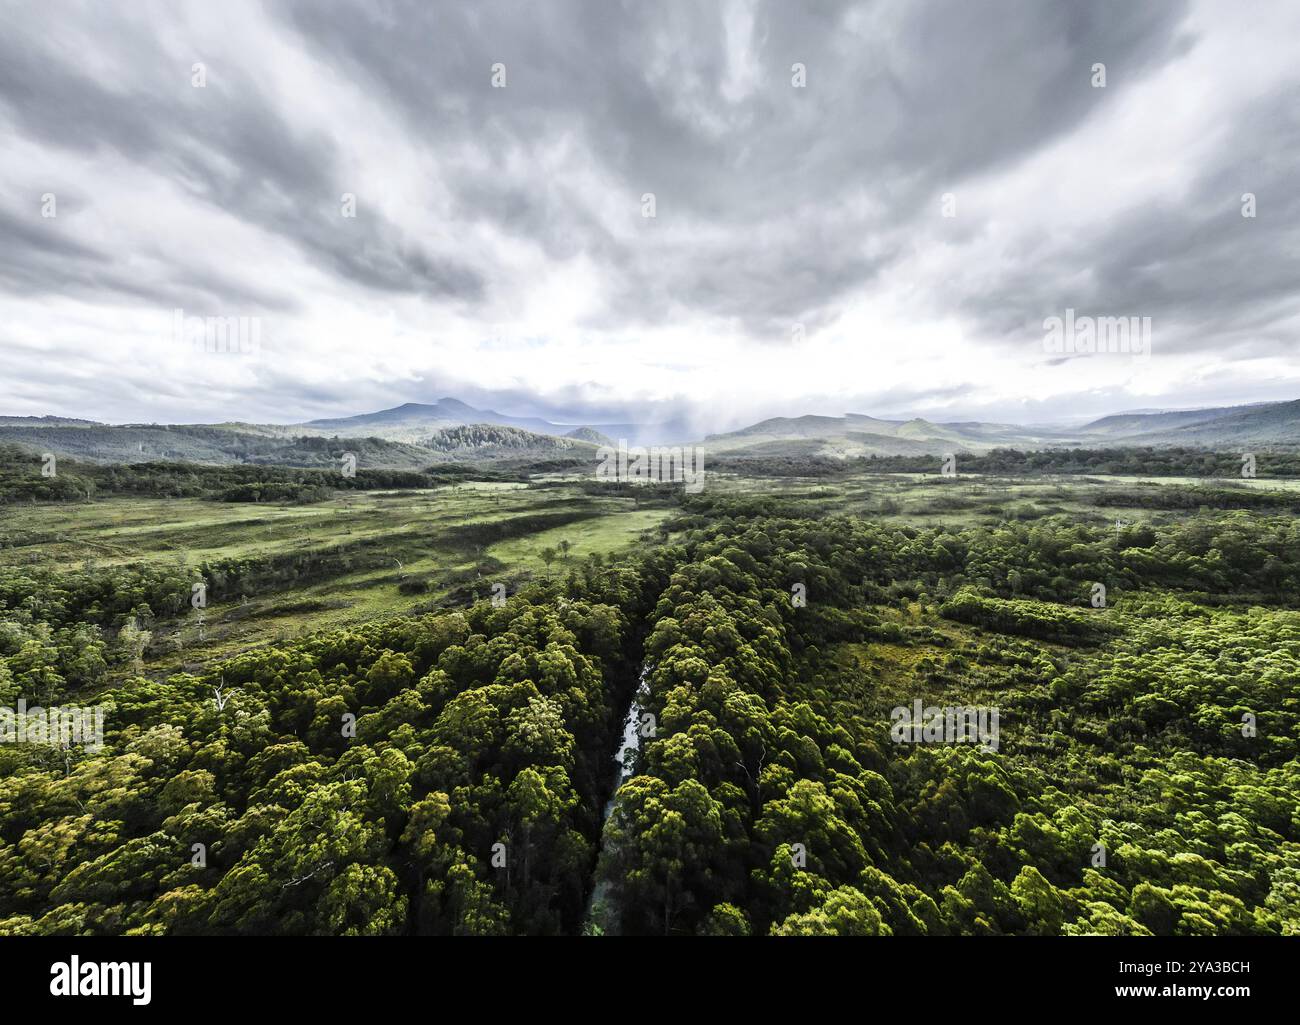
(434, 547)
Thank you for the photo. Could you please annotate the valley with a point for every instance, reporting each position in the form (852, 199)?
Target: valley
(419, 698)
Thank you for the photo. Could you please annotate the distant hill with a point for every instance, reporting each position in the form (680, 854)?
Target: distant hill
(592, 435)
(858, 435)
(46, 421)
(492, 443)
(411, 436)
(1150, 422)
(414, 420)
(211, 444)
(1265, 425)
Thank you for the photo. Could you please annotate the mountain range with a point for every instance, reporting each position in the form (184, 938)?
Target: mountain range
(420, 434)
(414, 421)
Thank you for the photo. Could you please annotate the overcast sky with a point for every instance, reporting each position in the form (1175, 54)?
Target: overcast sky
(799, 258)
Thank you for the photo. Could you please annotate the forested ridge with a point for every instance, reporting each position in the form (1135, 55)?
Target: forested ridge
(1162, 461)
(446, 773)
(77, 481)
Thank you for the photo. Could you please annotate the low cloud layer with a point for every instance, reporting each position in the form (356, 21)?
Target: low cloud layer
(865, 207)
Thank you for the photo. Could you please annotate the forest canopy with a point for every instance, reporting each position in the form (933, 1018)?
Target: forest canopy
(449, 773)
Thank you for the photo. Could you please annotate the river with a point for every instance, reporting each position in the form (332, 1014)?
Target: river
(600, 915)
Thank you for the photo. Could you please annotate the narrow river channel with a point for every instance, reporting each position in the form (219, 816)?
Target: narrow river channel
(600, 914)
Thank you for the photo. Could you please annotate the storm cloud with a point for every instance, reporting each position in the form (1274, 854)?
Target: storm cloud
(853, 204)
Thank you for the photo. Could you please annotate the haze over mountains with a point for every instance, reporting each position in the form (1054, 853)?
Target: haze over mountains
(1263, 425)
(419, 434)
(413, 421)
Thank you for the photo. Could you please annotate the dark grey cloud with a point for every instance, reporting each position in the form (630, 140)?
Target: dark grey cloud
(1189, 259)
(223, 144)
(766, 186)
(45, 256)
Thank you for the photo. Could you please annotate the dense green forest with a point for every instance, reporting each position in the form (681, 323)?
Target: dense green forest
(75, 481)
(1170, 461)
(448, 771)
